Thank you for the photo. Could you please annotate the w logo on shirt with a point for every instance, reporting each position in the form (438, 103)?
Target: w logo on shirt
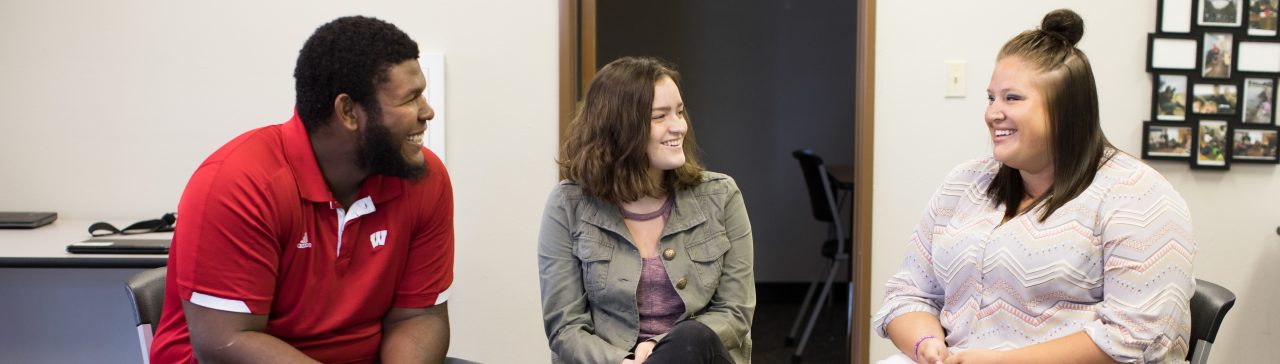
(378, 239)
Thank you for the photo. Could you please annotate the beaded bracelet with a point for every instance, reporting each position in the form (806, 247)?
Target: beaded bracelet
(917, 350)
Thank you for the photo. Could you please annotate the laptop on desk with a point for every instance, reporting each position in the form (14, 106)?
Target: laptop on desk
(121, 245)
(26, 220)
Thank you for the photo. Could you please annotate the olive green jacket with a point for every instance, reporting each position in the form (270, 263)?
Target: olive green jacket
(590, 267)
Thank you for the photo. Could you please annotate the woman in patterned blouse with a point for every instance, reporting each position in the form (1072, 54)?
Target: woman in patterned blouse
(1058, 248)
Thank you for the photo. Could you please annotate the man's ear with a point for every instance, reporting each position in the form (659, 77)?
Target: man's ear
(348, 112)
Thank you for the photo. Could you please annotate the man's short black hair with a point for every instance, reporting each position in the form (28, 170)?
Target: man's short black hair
(349, 55)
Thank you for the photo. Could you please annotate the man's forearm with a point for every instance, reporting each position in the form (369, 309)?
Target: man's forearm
(251, 347)
(228, 337)
(421, 337)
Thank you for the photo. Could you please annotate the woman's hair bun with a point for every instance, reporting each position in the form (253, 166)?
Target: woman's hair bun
(1064, 23)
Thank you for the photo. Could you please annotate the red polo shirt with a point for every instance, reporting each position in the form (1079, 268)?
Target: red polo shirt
(258, 232)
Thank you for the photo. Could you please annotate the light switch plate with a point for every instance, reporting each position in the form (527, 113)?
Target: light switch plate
(955, 79)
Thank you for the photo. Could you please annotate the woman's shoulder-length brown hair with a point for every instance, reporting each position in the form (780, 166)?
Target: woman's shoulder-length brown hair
(604, 151)
(1076, 143)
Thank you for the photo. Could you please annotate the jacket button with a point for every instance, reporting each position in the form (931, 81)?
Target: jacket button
(669, 254)
(681, 283)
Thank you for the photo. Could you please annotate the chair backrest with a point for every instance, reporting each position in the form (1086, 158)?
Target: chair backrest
(1209, 306)
(146, 295)
(821, 196)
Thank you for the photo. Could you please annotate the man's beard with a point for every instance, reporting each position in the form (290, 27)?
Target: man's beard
(379, 153)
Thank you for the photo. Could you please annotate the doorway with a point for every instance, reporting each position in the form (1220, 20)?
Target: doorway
(761, 79)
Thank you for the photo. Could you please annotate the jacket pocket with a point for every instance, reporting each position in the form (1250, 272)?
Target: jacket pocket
(594, 254)
(708, 258)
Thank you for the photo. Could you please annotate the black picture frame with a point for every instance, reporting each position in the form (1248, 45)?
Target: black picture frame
(1223, 103)
(1203, 19)
(1258, 102)
(1213, 152)
(1172, 56)
(1259, 56)
(1173, 8)
(1167, 141)
(1263, 140)
(1221, 106)
(1171, 94)
(1255, 27)
(1224, 69)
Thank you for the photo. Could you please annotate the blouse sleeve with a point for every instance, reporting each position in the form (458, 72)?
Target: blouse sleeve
(915, 288)
(1148, 250)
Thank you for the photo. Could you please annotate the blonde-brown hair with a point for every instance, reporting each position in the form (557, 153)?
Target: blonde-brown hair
(605, 150)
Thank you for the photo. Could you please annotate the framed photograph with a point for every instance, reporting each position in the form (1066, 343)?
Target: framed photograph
(1262, 17)
(1220, 13)
(1255, 145)
(1170, 97)
(1211, 145)
(1171, 53)
(1259, 57)
(1174, 16)
(1213, 99)
(1259, 101)
(1216, 55)
(1167, 141)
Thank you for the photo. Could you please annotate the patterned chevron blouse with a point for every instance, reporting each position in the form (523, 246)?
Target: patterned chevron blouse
(1115, 262)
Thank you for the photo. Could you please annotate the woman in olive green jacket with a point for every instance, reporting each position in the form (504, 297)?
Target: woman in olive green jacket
(643, 255)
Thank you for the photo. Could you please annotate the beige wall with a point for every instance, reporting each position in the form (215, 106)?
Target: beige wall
(116, 103)
(920, 136)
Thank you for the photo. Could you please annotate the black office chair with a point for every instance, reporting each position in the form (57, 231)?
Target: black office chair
(1208, 307)
(146, 296)
(823, 198)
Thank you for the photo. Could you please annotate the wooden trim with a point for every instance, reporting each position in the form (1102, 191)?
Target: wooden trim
(864, 153)
(577, 55)
(587, 46)
(568, 62)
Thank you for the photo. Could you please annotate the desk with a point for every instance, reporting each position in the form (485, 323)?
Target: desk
(843, 173)
(46, 247)
(66, 308)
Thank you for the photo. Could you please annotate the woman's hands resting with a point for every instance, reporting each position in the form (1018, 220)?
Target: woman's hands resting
(976, 356)
(642, 353)
(932, 351)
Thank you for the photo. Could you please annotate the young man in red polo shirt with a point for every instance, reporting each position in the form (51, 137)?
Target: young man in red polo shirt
(327, 238)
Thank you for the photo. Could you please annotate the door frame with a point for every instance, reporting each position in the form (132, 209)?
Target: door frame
(864, 153)
(578, 48)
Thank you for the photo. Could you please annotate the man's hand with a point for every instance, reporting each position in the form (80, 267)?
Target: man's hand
(932, 351)
(643, 350)
(977, 356)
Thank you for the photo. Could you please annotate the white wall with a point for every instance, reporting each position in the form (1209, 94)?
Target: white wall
(920, 136)
(113, 104)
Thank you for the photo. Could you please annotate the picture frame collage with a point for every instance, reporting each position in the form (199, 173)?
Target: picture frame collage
(1215, 68)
